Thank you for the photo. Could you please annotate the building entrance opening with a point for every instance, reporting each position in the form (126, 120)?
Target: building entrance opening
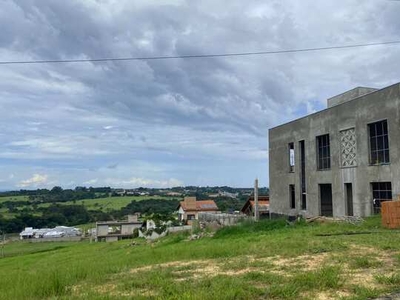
(325, 192)
(348, 189)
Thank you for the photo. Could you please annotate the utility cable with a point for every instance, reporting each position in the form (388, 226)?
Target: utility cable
(196, 55)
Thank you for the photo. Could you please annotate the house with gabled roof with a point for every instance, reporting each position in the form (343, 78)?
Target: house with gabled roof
(263, 206)
(190, 208)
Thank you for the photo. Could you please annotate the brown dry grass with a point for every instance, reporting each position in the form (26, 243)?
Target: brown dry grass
(283, 265)
(287, 267)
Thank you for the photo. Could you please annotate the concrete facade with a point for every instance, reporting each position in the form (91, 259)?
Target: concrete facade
(349, 95)
(346, 116)
(116, 230)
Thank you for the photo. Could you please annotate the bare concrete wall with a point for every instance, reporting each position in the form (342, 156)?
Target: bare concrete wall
(128, 228)
(349, 95)
(102, 230)
(356, 114)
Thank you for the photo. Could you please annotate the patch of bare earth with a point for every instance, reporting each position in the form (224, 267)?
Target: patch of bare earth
(283, 266)
(302, 262)
(327, 295)
(366, 277)
(206, 268)
(110, 289)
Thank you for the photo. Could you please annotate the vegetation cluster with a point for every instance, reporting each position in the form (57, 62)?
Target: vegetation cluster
(264, 260)
(44, 208)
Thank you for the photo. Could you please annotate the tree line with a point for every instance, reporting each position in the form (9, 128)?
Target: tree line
(71, 215)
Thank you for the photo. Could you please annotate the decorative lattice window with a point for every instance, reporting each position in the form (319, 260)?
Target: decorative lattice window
(348, 148)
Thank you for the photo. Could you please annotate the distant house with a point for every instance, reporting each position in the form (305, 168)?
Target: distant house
(190, 208)
(263, 206)
(130, 192)
(229, 195)
(223, 194)
(213, 195)
(174, 194)
(119, 192)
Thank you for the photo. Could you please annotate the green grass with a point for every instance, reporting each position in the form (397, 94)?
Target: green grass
(393, 279)
(251, 261)
(104, 204)
(22, 248)
(14, 198)
(108, 203)
(364, 262)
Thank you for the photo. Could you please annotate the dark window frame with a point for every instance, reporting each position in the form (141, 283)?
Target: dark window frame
(323, 152)
(291, 163)
(378, 143)
(303, 184)
(381, 192)
(292, 196)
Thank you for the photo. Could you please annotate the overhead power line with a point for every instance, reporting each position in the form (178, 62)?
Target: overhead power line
(196, 55)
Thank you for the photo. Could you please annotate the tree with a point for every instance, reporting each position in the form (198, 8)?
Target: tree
(56, 190)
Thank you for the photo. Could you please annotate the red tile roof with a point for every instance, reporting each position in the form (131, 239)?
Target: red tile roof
(204, 205)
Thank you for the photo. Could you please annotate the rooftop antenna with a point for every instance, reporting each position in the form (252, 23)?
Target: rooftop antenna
(256, 214)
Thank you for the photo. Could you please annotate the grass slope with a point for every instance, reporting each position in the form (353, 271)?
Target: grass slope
(250, 261)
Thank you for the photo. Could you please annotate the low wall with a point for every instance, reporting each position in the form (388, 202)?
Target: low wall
(61, 239)
(154, 235)
(222, 219)
(179, 228)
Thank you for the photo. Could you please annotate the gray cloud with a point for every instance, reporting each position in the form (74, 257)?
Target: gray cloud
(189, 116)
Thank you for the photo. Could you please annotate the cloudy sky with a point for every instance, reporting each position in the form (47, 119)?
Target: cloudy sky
(180, 121)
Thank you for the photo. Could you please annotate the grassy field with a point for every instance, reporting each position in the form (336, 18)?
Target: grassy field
(104, 204)
(4, 211)
(251, 261)
(14, 198)
(109, 203)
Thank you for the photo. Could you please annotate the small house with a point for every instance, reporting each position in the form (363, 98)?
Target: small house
(190, 208)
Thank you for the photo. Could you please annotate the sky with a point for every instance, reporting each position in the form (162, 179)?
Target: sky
(165, 123)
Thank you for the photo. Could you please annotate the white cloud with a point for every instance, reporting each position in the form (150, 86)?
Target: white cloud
(35, 181)
(91, 181)
(144, 182)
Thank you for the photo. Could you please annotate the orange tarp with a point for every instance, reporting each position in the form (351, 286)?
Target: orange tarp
(390, 211)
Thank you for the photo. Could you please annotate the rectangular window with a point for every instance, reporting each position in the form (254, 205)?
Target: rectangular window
(323, 152)
(291, 157)
(381, 191)
(378, 143)
(292, 195)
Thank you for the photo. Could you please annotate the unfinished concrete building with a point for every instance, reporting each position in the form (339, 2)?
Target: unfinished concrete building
(112, 231)
(343, 160)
